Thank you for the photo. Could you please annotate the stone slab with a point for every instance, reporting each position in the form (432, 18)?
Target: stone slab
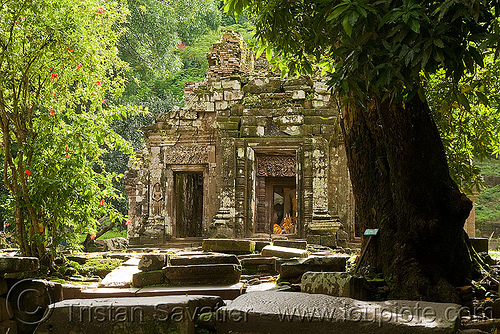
(207, 258)
(121, 277)
(233, 246)
(167, 314)
(297, 268)
(150, 262)
(339, 284)
(295, 312)
(203, 274)
(299, 244)
(108, 293)
(8, 327)
(14, 264)
(226, 292)
(284, 252)
(145, 278)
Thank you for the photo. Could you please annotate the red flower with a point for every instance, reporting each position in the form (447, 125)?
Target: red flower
(16, 22)
(27, 171)
(78, 66)
(54, 75)
(30, 107)
(69, 50)
(92, 237)
(101, 10)
(104, 101)
(128, 222)
(52, 112)
(102, 201)
(7, 224)
(99, 83)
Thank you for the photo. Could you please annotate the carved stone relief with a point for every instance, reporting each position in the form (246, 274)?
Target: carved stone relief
(276, 166)
(188, 155)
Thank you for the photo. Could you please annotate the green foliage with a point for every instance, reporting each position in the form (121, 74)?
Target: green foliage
(61, 77)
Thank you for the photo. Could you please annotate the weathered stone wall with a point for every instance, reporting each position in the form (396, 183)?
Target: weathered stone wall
(237, 113)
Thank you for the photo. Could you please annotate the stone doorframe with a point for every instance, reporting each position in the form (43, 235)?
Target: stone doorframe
(170, 212)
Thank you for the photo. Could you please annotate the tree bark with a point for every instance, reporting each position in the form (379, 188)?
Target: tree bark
(402, 186)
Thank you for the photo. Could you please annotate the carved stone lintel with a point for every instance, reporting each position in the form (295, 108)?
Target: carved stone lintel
(276, 166)
(187, 155)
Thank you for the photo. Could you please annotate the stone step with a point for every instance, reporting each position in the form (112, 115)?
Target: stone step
(295, 312)
(232, 246)
(204, 258)
(166, 314)
(226, 292)
(203, 274)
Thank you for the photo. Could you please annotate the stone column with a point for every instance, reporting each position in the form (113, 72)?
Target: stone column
(223, 224)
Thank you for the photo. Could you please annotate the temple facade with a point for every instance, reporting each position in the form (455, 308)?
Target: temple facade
(249, 155)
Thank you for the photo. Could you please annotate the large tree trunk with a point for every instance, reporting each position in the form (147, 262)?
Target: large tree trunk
(402, 186)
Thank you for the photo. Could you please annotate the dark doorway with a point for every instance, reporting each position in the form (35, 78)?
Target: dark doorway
(188, 204)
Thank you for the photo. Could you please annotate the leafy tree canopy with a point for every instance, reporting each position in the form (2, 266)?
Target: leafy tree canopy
(444, 51)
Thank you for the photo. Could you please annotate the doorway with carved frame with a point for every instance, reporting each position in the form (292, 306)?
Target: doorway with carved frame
(276, 193)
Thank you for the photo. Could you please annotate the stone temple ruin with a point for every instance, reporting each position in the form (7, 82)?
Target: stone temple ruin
(249, 155)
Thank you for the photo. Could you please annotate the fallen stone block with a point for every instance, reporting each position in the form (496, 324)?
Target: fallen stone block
(296, 268)
(299, 244)
(14, 264)
(283, 252)
(207, 258)
(8, 327)
(339, 284)
(150, 262)
(233, 246)
(171, 314)
(203, 274)
(295, 312)
(146, 278)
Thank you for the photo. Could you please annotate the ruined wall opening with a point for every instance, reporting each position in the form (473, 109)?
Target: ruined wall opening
(188, 196)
